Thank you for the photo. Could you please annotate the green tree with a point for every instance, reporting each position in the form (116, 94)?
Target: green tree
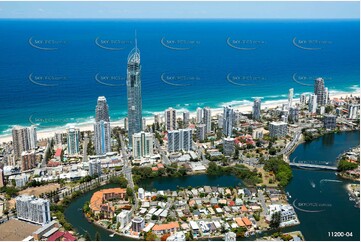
(275, 220)
(87, 237)
(344, 165)
(97, 236)
(130, 192)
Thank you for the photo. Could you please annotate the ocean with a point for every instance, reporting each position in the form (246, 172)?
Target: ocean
(52, 71)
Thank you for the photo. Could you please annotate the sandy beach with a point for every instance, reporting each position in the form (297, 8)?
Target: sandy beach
(47, 133)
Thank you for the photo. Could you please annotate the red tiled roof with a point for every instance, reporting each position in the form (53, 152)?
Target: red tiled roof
(160, 227)
(58, 152)
(66, 236)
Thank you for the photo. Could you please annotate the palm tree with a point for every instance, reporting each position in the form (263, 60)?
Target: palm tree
(97, 236)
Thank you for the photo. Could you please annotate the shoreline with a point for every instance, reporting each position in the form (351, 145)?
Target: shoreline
(50, 132)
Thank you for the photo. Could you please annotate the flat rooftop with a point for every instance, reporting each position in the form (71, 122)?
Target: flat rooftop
(16, 230)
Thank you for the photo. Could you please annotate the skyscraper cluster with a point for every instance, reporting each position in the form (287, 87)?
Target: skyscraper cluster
(102, 131)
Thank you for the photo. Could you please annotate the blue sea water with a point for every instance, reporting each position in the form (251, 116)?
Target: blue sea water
(52, 71)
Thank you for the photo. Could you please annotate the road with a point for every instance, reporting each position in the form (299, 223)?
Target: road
(263, 203)
(127, 169)
(291, 145)
(162, 153)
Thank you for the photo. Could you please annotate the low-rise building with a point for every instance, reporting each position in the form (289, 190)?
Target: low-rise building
(329, 122)
(124, 218)
(278, 129)
(160, 229)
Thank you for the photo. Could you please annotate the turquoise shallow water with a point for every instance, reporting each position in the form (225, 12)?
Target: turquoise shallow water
(185, 64)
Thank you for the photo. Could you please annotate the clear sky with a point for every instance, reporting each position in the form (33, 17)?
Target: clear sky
(158, 10)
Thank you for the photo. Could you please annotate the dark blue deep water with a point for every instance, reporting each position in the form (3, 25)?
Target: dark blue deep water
(48, 67)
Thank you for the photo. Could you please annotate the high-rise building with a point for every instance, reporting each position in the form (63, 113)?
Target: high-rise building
(170, 119)
(20, 140)
(144, 124)
(73, 136)
(95, 168)
(102, 137)
(2, 180)
(293, 115)
(207, 119)
(28, 160)
(327, 94)
(199, 115)
(220, 120)
(186, 119)
(35, 210)
(142, 145)
(228, 146)
(58, 138)
(180, 139)
(329, 121)
(290, 97)
(228, 114)
(320, 91)
(256, 110)
(134, 93)
(24, 138)
(33, 139)
(201, 132)
(102, 110)
(304, 98)
(312, 103)
(353, 111)
(156, 118)
(278, 129)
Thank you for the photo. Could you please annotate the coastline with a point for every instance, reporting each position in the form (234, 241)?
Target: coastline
(50, 132)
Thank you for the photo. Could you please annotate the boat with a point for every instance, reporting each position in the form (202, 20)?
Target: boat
(112, 235)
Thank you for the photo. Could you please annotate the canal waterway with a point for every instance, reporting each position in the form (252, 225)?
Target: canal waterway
(320, 198)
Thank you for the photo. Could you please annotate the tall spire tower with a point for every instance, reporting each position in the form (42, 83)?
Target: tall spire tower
(134, 92)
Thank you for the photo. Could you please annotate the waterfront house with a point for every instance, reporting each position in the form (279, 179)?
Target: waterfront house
(214, 201)
(169, 228)
(195, 228)
(99, 198)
